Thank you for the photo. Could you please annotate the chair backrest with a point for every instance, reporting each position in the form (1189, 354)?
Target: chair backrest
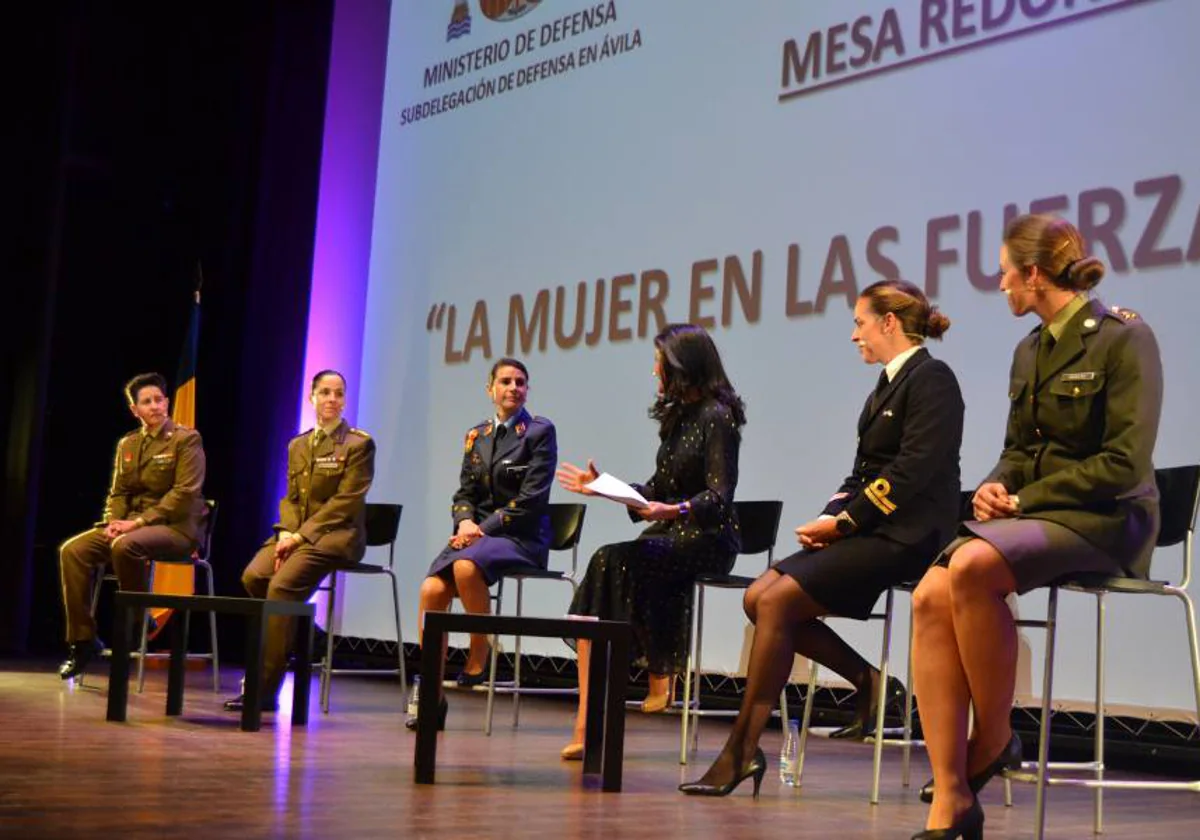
(566, 524)
(210, 522)
(383, 523)
(758, 525)
(1179, 496)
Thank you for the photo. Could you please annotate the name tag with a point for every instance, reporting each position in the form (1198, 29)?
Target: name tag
(1081, 376)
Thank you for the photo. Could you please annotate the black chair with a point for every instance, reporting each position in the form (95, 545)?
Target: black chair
(1179, 490)
(199, 559)
(383, 523)
(566, 527)
(758, 526)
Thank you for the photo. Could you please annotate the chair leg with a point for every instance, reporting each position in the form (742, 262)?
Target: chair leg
(327, 660)
(1101, 651)
(491, 698)
(694, 742)
(687, 718)
(516, 694)
(881, 699)
(141, 674)
(906, 753)
(399, 632)
(1193, 647)
(1039, 820)
(212, 629)
(805, 718)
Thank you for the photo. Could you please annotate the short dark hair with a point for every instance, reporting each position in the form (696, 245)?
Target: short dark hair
(321, 374)
(144, 380)
(691, 364)
(507, 361)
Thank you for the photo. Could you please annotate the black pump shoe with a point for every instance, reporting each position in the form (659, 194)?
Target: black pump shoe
(466, 680)
(861, 728)
(78, 658)
(1009, 759)
(756, 768)
(411, 723)
(968, 827)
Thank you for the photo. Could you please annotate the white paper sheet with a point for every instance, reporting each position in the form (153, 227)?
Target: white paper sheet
(611, 487)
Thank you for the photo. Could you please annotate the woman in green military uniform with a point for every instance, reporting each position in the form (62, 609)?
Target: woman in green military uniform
(1073, 492)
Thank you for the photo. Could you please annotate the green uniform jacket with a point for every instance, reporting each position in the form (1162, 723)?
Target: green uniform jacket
(159, 480)
(1079, 445)
(326, 499)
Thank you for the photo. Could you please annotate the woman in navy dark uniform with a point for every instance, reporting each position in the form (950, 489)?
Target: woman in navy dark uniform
(1073, 492)
(886, 522)
(501, 523)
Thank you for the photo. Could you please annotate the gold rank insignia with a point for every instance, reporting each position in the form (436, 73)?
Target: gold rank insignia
(1127, 314)
(877, 494)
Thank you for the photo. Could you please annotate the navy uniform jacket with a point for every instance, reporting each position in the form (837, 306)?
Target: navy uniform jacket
(326, 499)
(905, 483)
(159, 478)
(505, 488)
(1079, 445)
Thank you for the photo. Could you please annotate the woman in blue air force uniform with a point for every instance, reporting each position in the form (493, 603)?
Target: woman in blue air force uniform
(501, 523)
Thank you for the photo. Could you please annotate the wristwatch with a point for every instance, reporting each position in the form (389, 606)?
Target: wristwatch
(684, 509)
(845, 523)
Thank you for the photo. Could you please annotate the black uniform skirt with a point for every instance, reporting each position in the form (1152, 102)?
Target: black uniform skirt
(1037, 551)
(848, 576)
(495, 557)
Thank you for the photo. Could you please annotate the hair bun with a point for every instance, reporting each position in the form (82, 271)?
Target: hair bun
(937, 323)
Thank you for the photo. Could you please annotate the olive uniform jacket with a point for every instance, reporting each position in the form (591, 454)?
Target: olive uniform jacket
(905, 484)
(327, 486)
(159, 478)
(1081, 433)
(504, 484)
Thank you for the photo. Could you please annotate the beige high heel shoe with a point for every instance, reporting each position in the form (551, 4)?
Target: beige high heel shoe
(572, 752)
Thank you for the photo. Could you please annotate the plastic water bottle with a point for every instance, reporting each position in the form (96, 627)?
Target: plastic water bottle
(414, 699)
(789, 755)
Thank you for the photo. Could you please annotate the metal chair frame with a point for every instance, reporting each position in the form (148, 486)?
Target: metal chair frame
(769, 514)
(382, 526)
(566, 527)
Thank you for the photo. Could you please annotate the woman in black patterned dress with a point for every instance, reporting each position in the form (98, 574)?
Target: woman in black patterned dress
(693, 531)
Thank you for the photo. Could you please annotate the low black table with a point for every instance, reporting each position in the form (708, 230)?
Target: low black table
(608, 672)
(128, 608)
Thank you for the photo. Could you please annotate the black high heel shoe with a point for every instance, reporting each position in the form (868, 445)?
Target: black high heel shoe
(968, 827)
(756, 768)
(466, 680)
(1009, 759)
(861, 728)
(411, 723)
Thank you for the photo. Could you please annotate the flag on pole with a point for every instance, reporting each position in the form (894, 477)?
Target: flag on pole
(175, 578)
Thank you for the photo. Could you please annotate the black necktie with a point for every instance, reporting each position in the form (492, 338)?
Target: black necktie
(880, 387)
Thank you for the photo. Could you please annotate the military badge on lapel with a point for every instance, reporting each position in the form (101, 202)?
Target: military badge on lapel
(470, 444)
(520, 430)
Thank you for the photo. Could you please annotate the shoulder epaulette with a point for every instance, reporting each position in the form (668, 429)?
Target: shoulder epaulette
(359, 432)
(1126, 314)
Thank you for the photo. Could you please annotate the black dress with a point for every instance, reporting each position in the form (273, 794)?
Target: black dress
(648, 581)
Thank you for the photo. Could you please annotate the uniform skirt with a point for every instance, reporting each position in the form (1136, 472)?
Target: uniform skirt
(848, 576)
(1037, 551)
(495, 557)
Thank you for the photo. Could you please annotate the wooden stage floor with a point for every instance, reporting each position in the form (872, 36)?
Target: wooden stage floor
(65, 772)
